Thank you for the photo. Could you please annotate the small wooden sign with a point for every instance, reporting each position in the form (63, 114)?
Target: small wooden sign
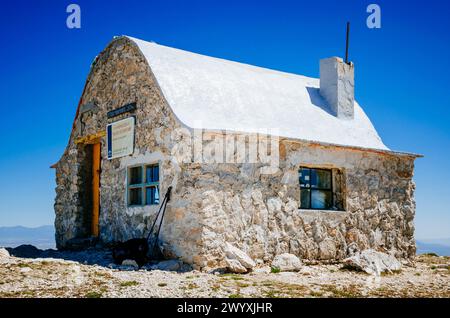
(122, 110)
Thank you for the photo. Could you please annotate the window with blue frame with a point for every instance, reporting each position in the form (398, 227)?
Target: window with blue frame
(143, 185)
(316, 188)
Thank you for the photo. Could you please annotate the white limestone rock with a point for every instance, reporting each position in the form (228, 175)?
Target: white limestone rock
(373, 262)
(352, 249)
(327, 249)
(287, 263)
(4, 255)
(234, 266)
(233, 253)
(129, 264)
(25, 269)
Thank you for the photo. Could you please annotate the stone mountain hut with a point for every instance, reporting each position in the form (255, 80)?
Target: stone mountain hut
(267, 161)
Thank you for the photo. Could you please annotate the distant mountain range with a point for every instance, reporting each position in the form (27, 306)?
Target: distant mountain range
(43, 237)
(440, 247)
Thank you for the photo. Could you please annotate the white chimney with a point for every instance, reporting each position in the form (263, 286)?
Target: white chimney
(337, 86)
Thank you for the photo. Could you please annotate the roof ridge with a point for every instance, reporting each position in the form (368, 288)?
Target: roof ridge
(223, 59)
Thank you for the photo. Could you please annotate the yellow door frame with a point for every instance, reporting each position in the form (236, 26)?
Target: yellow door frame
(96, 151)
(95, 141)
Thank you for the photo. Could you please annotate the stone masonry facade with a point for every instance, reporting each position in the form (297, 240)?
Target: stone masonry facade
(214, 203)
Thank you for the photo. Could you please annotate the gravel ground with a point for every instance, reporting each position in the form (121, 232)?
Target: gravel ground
(86, 274)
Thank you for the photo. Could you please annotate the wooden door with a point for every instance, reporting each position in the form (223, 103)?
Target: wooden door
(95, 188)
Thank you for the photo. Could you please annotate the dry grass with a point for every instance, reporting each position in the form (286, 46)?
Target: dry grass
(129, 283)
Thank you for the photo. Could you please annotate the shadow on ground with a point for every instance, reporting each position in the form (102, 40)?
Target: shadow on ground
(97, 256)
(90, 256)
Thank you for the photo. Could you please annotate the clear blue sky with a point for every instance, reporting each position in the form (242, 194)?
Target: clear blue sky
(402, 77)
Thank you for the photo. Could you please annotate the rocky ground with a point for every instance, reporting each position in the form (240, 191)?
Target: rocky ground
(89, 274)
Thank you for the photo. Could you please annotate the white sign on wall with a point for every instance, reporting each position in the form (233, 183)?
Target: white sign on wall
(120, 138)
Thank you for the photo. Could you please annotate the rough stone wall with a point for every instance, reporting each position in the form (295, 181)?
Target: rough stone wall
(120, 75)
(213, 203)
(260, 213)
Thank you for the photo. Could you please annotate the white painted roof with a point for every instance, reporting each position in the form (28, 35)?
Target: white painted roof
(212, 93)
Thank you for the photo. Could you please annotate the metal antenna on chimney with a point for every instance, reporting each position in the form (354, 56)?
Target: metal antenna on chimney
(347, 42)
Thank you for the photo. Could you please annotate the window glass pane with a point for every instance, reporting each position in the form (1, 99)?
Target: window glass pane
(304, 177)
(148, 195)
(321, 199)
(305, 199)
(155, 173)
(151, 195)
(135, 176)
(148, 174)
(152, 173)
(135, 196)
(320, 179)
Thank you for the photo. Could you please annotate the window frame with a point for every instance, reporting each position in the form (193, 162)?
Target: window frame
(143, 185)
(331, 189)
